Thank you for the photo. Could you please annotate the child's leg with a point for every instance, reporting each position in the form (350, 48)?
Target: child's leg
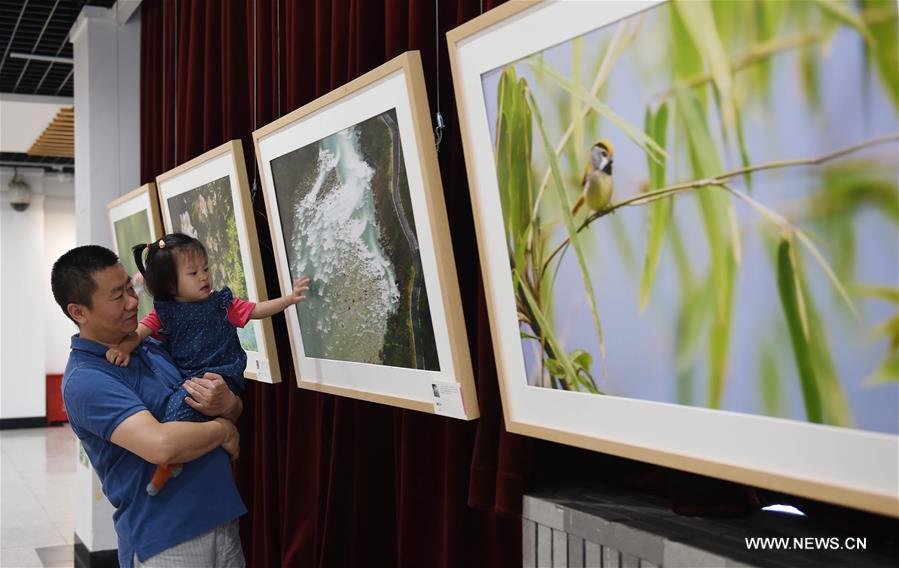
(162, 474)
(176, 411)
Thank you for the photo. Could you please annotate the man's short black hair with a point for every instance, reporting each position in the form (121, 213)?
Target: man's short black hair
(72, 277)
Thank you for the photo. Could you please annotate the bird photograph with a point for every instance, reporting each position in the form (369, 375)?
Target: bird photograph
(597, 180)
(700, 207)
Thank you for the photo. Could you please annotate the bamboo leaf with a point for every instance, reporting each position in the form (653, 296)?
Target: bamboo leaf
(853, 185)
(729, 19)
(886, 49)
(825, 266)
(700, 23)
(685, 387)
(660, 211)
(687, 58)
(834, 403)
(719, 342)
(744, 152)
(681, 261)
(735, 235)
(555, 368)
(840, 12)
(513, 161)
(659, 134)
(887, 372)
(577, 51)
(696, 310)
(804, 240)
(887, 293)
(635, 134)
(889, 328)
(565, 206)
(808, 67)
(546, 328)
(697, 305)
(770, 381)
(503, 165)
(769, 16)
(791, 300)
(714, 207)
(582, 359)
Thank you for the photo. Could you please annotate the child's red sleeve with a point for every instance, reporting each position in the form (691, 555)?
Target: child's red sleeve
(154, 323)
(239, 312)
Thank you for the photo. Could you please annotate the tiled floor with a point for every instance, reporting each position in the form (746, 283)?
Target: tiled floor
(37, 493)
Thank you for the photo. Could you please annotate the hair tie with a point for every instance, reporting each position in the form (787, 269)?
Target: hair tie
(148, 245)
(161, 243)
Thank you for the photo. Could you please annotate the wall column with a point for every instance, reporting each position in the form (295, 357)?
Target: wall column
(107, 159)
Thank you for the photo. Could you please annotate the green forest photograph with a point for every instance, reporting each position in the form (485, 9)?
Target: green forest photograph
(207, 213)
(129, 231)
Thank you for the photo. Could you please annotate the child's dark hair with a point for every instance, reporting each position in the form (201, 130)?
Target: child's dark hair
(160, 269)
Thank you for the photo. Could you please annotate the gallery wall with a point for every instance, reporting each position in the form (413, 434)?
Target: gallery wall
(328, 480)
(59, 236)
(35, 334)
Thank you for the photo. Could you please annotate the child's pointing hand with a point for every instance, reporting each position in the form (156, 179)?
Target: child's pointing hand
(299, 286)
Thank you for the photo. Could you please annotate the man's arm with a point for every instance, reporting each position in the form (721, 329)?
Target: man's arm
(174, 442)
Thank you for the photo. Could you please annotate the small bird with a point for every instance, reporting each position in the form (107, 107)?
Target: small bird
(597, 181)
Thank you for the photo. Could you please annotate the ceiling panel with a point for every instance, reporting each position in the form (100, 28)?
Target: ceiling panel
(38, 27)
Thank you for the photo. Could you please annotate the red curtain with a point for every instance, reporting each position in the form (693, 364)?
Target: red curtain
(331, 481)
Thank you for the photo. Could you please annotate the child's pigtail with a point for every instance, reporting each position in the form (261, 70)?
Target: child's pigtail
(138, 251)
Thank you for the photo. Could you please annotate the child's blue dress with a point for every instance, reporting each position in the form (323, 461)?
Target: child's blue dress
(201, 340)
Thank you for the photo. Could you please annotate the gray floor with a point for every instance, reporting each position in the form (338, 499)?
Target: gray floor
(37, 492)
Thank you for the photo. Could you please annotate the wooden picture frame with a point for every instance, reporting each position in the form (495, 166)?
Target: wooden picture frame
(843, 465)
(389, 348)
(134, 218)
(217, 180)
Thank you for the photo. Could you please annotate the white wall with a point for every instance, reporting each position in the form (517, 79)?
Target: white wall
(34, 334)
(22, 303)
(59, 236)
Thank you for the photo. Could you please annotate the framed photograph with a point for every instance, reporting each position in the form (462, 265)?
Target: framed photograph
(686, 217)
(134, 219)
(355, 203)
(209, 199)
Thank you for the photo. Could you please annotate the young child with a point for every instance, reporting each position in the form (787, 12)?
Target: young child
(197, 325)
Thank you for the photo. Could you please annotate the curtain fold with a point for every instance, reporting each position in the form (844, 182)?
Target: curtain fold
(332, 481)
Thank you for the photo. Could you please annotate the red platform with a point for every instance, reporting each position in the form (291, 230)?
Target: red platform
(56, 409)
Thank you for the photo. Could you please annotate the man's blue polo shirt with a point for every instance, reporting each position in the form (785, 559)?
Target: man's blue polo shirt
(98, 397)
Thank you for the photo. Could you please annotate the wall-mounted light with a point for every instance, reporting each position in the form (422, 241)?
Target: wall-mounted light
(19, 192)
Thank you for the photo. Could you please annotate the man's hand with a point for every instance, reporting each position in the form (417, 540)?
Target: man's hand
(118, 357)
(232, 438)
(211, 396)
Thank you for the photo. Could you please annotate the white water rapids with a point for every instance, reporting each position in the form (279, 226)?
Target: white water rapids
(336, 244)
